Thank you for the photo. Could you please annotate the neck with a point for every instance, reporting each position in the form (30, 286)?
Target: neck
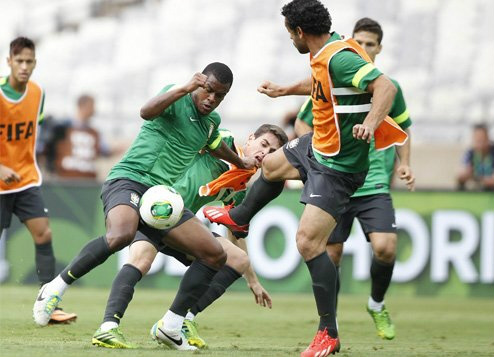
(17, 86)
(315, 43)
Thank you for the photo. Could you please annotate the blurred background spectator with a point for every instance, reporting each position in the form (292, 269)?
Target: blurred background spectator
(71, 147)
(477, 169)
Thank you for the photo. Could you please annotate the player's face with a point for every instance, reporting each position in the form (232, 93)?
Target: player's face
(297, 39)
(480, 141)
(207, 98)
(369, 42)
(259, 147)
(22, 65)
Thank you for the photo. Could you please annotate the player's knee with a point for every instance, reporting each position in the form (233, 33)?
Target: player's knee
(385, 254)
(305, 245)
(215, 257)
(269, 168)
(118, 240)
(334, 253)
(43, 236)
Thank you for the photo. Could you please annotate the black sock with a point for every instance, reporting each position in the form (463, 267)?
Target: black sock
(225, 277)
(259, 195)
(121, 293)
(45, 262)
(194, 284)
(91, 255)
(381, 273)
(323, 274)
(337, 286)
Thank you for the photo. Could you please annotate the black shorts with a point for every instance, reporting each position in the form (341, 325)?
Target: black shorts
(324, 187)
(25, 205)
(374, 212)
(127, 192)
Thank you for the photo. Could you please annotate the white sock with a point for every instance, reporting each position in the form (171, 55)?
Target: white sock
(108, 325)
(190, 316)
(374, 305)
(57, 286)
(172, 321)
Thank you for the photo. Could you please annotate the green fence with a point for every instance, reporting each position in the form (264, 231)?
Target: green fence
(445, 246)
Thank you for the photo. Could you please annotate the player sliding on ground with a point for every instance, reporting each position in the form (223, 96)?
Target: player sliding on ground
(180, 121)
(208, 179)
(333, 162)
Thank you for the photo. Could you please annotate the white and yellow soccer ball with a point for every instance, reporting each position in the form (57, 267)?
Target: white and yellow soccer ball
(161, 207)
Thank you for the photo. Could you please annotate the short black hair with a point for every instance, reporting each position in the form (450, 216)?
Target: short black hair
(481, 126)
(84, 99)
(273, 129)
(310, 15)
(369, 25)
(18, 44)
(221, 71)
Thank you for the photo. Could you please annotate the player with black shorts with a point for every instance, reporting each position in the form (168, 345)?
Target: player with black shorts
(180, 121)
(21, 111)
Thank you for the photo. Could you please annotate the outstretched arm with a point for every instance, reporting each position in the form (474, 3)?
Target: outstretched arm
(274, 90)
(156, 105)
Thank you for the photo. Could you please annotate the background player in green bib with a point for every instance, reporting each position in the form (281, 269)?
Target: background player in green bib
(372, 204)
(180, 121)
(205, 168)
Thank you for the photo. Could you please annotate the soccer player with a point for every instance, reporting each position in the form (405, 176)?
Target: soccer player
(333, 161)
(180, 121)
(21, 111)
(208, 179)
(371, 204)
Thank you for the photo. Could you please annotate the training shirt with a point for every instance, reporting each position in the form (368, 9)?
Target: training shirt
(204, 169)
(20, 114)
(381, 166)
(166, 146)
(349, 76)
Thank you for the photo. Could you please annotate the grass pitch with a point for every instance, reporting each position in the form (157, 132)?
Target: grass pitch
(235, 326)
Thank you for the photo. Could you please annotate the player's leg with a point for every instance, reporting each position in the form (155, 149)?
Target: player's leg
(335, 251)
(192, 238)
(141, 256)
(44, 257)
(122, 219)
(276, 168)
(376, 215)
(236, 264)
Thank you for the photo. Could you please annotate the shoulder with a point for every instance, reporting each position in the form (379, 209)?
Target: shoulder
(215, 117)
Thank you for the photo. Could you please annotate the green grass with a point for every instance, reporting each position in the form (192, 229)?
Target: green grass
(235, 326)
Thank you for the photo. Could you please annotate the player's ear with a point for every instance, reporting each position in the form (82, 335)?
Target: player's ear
(379, 49)
(251, 137)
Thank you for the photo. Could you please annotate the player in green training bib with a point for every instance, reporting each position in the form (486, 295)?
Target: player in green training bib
(180, 121)
(371, 204)
(204, 170)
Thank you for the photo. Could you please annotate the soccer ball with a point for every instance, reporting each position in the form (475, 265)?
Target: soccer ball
(161, 207)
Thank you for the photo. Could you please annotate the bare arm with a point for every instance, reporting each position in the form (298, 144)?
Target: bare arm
(301, 127)
(383, 93)
(224, 152)
(156, 105)
(274, 90)
(261, 295)
(404, 171)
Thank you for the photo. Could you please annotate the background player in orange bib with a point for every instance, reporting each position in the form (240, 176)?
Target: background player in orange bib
(21, 111)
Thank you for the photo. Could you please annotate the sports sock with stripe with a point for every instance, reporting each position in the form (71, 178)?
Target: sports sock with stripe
(91, 255)
(121, 294)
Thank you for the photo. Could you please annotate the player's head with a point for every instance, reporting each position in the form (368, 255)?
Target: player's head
(480, 138)
(265, 140)
(85, 107)
(21, 59)
(369, 34)
(305, 17)
(219, 81)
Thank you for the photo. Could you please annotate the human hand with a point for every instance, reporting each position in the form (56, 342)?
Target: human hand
(197, 80)
(270, 89)
(363, 132)
(261, 295)
(405, 173)
(8, 175)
